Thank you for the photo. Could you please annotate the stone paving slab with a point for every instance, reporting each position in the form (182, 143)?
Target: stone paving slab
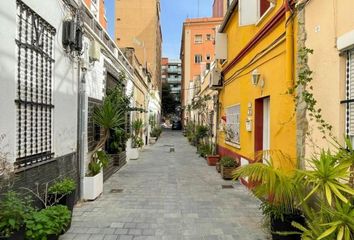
(169, 196)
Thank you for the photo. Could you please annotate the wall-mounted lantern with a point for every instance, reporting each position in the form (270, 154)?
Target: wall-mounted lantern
(255, 77)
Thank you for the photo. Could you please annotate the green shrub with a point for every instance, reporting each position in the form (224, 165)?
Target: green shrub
(204, 150)
(137, 142)
(13, 212)
(201, 132)
(156, 132)
(49, 221)
(65, 186)
(228, 162)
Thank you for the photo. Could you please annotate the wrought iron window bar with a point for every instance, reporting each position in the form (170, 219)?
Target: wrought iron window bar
(35, 46)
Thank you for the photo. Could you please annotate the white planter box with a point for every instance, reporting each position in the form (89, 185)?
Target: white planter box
(152, 140)
(134, 154)
(93, 186)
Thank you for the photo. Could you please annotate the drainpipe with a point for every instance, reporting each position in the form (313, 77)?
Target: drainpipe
(289, 36)
(81, 110)
(81, 128)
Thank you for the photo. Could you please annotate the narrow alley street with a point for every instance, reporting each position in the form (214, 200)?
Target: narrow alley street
(165, 195)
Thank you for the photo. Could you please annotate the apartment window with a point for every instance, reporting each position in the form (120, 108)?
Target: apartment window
(198, 58)
(232, 133)
(208, 37)
(208, 57)
(252, 11)
(264, 5)
(350, 94)
(35, 60)
(198, 38)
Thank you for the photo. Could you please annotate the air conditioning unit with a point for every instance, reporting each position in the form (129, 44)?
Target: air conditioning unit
(95, 51)
(215, 79)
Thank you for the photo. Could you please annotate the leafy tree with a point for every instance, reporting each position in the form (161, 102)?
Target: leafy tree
(169, 103)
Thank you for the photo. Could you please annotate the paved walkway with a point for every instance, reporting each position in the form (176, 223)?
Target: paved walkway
(168, 196)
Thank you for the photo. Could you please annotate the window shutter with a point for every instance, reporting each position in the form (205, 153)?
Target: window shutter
(221, 46)
(248, 12)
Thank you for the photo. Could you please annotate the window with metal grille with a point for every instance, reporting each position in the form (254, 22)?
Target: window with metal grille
(233, 125)
(35, 40)
(350, 94)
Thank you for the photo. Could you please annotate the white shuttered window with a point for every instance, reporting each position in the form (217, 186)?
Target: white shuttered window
(350, 93)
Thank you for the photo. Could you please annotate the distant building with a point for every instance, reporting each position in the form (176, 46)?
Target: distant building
(97, 8)
(164, 67)
(137, 25)
(174, 77)
(220, 7)
(197, 53)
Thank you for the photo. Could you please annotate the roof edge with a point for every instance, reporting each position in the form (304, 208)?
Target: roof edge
(228, 15)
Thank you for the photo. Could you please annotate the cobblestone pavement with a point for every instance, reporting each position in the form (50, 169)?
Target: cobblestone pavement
(169, 196)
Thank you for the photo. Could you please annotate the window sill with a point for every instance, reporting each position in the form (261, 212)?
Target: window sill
(272, 6)
(235, 145)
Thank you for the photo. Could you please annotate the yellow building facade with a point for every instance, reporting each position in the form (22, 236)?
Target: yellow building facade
(255, 112)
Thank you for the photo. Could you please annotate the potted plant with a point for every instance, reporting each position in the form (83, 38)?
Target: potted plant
(155, 134)
(213, 158)
(228, 165)
(48, 223)
(204, 150)
(93, 181)
(13, 212)
(327, 182)
(63, 192)
(116, 145)
(200, 133)
(108, 116)
(275, 186)
(137, 141)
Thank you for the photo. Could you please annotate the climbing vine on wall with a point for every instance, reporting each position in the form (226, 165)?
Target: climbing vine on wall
(306, 94)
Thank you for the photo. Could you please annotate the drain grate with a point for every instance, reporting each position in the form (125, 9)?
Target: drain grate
(116, 190)
(227, 186)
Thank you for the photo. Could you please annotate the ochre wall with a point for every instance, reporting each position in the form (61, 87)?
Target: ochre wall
(325, 21)
(239, 90)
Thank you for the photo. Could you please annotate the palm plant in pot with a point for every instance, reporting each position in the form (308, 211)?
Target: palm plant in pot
(14, 211)
(108, 116)
(275, 187)
(328, 197)
(137, 141)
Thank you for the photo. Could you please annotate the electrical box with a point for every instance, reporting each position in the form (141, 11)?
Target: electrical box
(78, 40)
(95, 51)
(249, 125)
(69, 33)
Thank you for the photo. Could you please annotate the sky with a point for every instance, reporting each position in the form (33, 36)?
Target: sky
(173, 13)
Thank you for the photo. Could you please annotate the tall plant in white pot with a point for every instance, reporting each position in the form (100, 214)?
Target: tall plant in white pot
(137, 141)
(108, 116)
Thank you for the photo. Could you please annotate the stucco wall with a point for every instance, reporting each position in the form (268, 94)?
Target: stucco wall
(64, 79)
(325, 21)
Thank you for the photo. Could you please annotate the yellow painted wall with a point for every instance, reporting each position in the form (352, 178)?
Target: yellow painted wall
(239, 90)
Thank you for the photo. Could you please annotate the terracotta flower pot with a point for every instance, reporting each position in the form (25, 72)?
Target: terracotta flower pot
(213, 159)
